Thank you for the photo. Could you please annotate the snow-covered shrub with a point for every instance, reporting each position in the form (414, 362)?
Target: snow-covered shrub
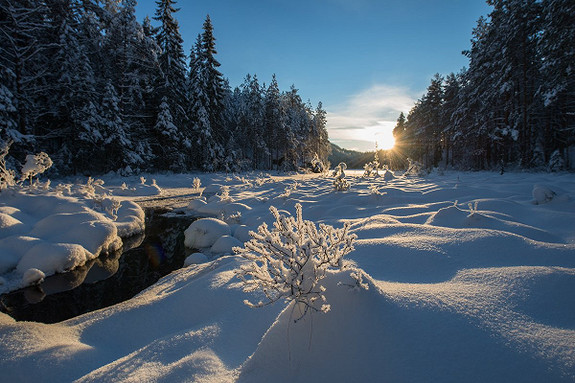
(110, 206)
(35, 164)
(7, 176)
(90, 189)
(289, 189)
(340, 183)
(225, 194)
(196, 185)
(374, 191)
(371, 169)
(414, 168)
(290, 261)
(316, 165)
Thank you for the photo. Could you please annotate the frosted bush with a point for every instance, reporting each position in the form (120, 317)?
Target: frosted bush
(288, 190)
(7, 176)
(90, 189)
(371, 169)
(225, 194)
(414, 168)
(35, 164)
(340, 183)
(316, 165)
(290, 261)
(110, 206)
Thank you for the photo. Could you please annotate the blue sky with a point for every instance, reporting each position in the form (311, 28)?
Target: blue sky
(366, 60)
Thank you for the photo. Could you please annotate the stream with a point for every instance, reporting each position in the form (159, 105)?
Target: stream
(108, 279)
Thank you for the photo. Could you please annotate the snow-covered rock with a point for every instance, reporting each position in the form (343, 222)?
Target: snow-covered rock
(225, 245)
(204, 232)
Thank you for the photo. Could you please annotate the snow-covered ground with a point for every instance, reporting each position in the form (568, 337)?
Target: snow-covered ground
(470, 278)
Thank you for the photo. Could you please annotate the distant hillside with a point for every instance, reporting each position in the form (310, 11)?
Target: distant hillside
(353, 159)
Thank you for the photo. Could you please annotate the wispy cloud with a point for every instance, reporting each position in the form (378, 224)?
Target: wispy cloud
(368, 116)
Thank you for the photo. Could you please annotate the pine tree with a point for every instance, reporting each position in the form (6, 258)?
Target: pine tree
(73, 86)
(557, 47)
(173, 87)
(23, 49)
(274, 124)
(166, 139)
(319, 133)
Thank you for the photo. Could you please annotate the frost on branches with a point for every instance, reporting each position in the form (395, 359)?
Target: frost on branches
(290, 261)
(340, 183)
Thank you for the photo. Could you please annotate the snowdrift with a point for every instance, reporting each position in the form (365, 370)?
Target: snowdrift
(470, 276)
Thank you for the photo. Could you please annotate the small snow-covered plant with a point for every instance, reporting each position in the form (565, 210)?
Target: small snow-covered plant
(35, 164)
(7, 176)
(197, 183)
(108, 205)
(63, 189)
(89, 189)
(123, 186)
(142, 180)
(374, 191)
(371, 169)
(289, 189)
(472, 208)
(316, 165)
(414, 168)
(225, 194)
(289, 261)
(340, 183)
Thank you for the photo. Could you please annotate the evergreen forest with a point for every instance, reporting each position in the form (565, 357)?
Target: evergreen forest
(85, 82)
(513, 107)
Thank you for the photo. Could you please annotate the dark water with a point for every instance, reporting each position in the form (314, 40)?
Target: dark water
(107, 280)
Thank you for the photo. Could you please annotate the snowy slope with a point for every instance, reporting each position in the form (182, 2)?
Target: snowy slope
(471, 277)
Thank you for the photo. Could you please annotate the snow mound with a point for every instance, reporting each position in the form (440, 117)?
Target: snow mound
(195, 258)
(141, 189)
(197, 204)
(204, 232)
(54, 234)
(387, 175)
(225, 245)
(33, 277)
(542, 194)
(455, 217)
(242, 233)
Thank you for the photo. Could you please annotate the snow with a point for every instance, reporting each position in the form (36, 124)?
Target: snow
(195, 258)
(466, 277)
(204, 232)
(48, 232)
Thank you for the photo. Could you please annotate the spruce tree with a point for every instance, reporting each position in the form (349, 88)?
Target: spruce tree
(173, 86)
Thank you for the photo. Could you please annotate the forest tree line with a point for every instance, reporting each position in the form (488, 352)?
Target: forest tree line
(85, 82)
(515, 104)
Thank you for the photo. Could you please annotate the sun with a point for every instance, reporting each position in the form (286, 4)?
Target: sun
(385, 140)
